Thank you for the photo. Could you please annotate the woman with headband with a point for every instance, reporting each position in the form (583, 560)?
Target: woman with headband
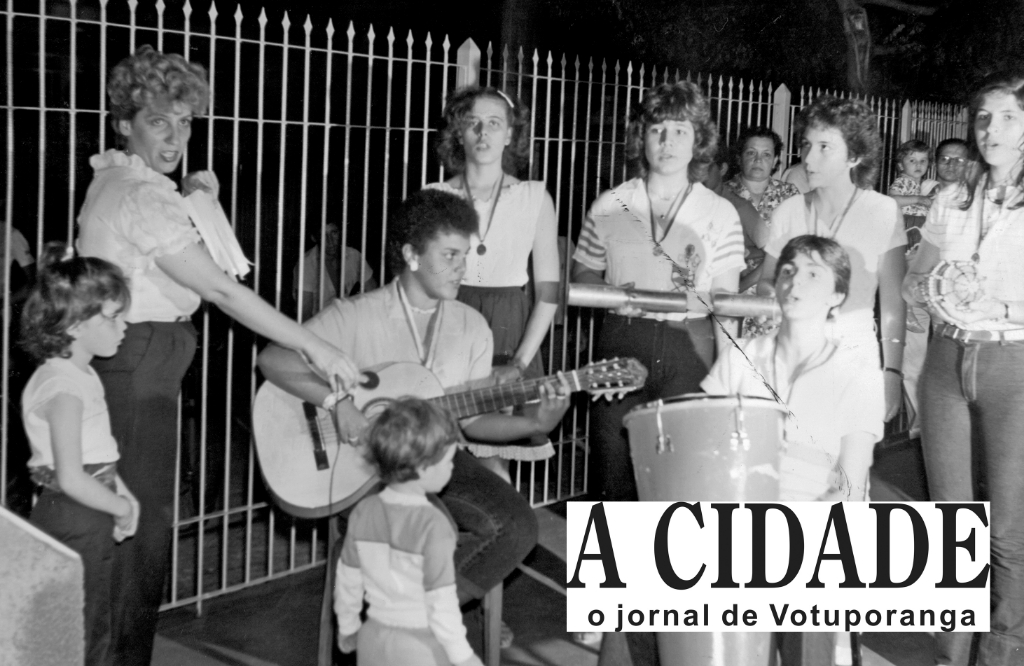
(485, 141)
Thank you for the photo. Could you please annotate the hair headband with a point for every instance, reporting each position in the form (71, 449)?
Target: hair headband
(508, 100)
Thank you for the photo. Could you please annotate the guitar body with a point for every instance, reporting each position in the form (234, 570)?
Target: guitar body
(285, 443)
(312, 475)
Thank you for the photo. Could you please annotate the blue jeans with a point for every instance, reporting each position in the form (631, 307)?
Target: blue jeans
(972, 419)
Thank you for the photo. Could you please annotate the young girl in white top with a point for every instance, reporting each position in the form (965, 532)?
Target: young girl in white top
(399, 548)
(75, 312)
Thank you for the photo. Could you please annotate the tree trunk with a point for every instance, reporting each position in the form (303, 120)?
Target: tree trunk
(858, 45)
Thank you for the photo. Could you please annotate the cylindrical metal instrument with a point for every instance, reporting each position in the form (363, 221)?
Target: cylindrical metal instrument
(704, 448)
(728, 305)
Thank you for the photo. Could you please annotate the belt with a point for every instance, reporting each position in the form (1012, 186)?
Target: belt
(961, 335)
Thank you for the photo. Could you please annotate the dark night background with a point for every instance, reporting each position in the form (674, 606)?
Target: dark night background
(934, 56)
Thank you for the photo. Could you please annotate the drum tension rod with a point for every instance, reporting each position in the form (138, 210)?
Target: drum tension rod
(664, 441)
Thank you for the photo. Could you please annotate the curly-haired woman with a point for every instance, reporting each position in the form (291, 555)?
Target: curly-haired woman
(841, 148)
(485, 141)
(662, 231)
(134, 217)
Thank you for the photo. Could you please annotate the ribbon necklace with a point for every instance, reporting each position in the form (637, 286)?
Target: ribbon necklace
(677, 203)
(814, 215)
(982, 233)
(426, 349)
(481, 249)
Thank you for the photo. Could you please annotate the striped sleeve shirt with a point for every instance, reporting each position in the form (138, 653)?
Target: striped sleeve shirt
(399, 549)
(704, 242)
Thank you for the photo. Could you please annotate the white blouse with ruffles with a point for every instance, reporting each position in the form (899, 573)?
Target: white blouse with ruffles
(131, 216)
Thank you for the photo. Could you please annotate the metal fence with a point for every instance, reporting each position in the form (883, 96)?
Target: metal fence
(308, 126)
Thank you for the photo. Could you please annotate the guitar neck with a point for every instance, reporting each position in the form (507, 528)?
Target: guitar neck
(493, 398)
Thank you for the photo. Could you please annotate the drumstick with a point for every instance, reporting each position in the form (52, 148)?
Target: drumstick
(728, 305)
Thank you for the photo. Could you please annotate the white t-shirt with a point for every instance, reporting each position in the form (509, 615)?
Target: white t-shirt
(705, 241)
(839, 397)
(1001, 254)
(509, 239)
(52, 378)
(354, 263)
(871, 227)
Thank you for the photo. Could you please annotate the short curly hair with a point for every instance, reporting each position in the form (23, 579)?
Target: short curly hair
(516, 156)
(673, 101)
(913, 146)
(148, 74)
(409, 434)
(424, 215)
(67, 291)
(859, 126)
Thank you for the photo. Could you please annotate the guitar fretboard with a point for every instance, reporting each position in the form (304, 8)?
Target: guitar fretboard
(493, 398)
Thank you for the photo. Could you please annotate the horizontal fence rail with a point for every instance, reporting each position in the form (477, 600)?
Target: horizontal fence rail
(310, 126)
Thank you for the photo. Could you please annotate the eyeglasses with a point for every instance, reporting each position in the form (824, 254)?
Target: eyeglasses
(956, 161)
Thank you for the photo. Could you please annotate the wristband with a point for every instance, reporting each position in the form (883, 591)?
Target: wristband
(895, 341)
(333, 399)
(898, 373)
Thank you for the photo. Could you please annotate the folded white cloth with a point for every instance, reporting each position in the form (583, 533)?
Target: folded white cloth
(212, 224)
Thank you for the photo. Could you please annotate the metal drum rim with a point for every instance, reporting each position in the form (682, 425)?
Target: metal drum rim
(697, 398)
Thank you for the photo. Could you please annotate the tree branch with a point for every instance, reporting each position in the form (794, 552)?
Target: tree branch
(899, 5)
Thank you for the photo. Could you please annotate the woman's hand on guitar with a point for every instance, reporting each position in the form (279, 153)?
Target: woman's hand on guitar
(332, 365)
(554, 402)
(349, 421)
(505, 374)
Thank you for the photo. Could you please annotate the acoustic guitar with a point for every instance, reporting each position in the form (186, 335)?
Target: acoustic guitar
(311, 474)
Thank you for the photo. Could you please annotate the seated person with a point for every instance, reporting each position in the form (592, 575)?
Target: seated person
(415, 319)
(835, 403)
(356, 273)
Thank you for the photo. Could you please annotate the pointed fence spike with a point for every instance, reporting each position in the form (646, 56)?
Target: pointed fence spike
(351, 32)
(308, 25)
(238, 14)
(262, 17)
(330, 29)
(213, 13)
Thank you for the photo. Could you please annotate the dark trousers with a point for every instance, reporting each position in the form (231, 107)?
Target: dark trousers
(142, 383)
(677, 356)
(497, 527)
(90, 534)
(971, 397)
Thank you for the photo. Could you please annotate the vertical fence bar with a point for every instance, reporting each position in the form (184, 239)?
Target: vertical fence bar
(260, 103)
(371, 36)
(72, 127)
(8, 212)
(41, 175)
(428, 43)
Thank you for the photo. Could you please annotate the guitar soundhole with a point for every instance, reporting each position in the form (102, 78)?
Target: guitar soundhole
(372, 380)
